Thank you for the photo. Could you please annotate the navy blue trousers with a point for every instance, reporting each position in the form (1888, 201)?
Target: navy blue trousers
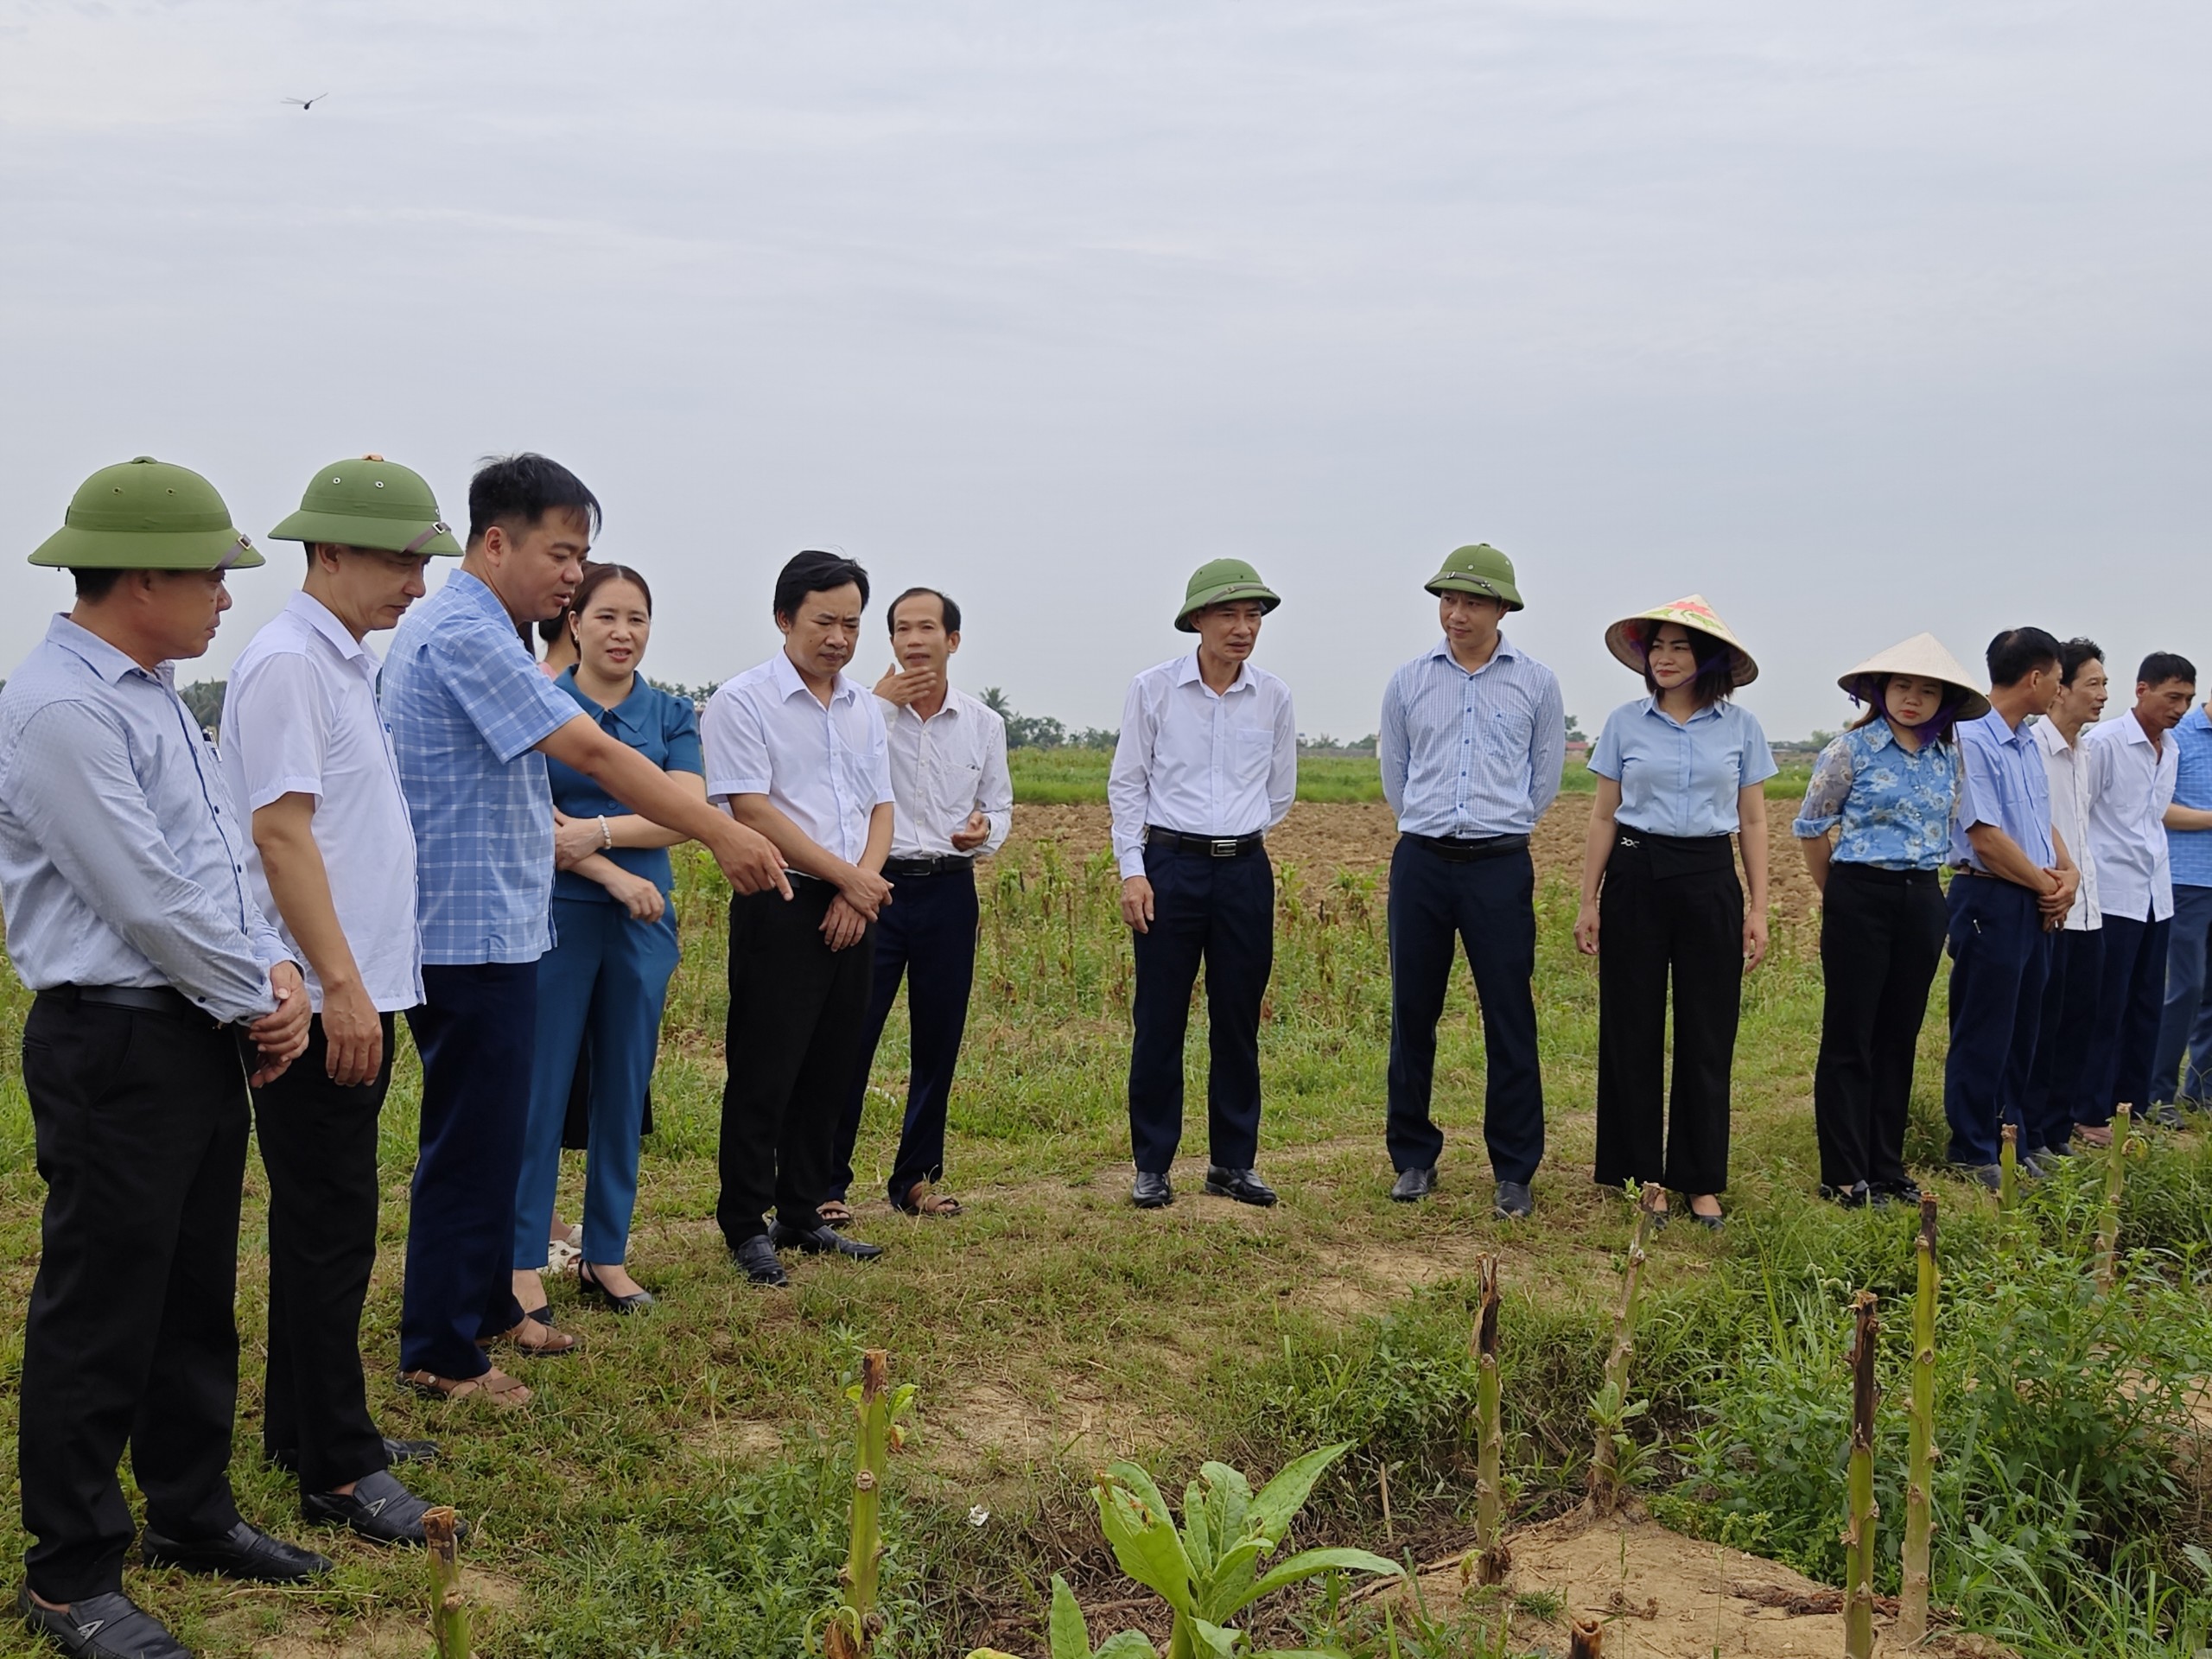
(2185, 1025)
(1487, 906)
(2056, 1094)
(1219, 913)
(2001, 957)
(926, 935)
(2132, 993)
(477, 1030)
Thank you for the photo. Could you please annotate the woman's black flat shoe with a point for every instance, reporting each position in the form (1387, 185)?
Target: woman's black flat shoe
(631, 1304)
(1711, 1223)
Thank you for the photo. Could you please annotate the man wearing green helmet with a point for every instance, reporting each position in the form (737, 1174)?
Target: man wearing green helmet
(1207, 764)
(332, 860)
(1472, 738)
(158, 983)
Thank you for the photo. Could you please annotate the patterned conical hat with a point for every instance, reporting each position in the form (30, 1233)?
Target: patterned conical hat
(1923, 657)
(1626, 636)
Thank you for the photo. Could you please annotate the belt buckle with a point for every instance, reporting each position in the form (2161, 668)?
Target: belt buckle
(1223, 847)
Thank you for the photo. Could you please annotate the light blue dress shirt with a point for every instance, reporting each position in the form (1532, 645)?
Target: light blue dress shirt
(2004, 783)
(2191, 851)
(1682, 779)
(1895, 808)
(122, 858)
(1473, 754)
(466, 708)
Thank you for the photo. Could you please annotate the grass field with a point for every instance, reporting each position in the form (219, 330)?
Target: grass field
(677, 1486)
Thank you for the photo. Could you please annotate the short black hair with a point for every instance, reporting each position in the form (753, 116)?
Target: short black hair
(816, 572)
(951, 610)
(95, 585)
(520, 490)
(2017, 652)
(2075, 655)
(2162, 666)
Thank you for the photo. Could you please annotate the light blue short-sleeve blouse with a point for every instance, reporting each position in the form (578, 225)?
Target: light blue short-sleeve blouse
(1682, 779)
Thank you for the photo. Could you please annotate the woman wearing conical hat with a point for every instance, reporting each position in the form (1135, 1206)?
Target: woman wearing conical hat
(1885, 790)
(1680, 776)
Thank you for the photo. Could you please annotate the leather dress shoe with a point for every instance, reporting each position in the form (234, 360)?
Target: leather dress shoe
(1242, 1184)
(111, 1626)
(2164, 1116)
(821, 1240)
(1151, 1191)
(378, 1508)
(243, 1552)
(756, 1257)
(1988, 1175)
(394, 1451)
(588, 1282)
(1514, 1202)
(1414, 1184)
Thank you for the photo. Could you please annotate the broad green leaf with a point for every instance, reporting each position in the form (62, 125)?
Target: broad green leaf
(1311, 1563)
(1128, 1644)
(1212, 1639)
(1197, 1541)
(1144, 1542)
(1279, 1501)
(1229, 1585)
(1232, 1498)
(1066, 1631)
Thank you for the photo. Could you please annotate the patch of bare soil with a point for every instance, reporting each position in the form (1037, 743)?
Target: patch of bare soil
(1080, 1422)
(391, 1635)
(736, 1439)
(1663, 1596)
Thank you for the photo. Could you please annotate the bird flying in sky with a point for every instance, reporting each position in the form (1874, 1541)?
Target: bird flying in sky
(307, 102)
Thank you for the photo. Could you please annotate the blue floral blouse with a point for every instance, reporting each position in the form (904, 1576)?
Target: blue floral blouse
(1895, 808)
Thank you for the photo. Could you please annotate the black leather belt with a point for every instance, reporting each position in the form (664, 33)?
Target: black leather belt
(943, 864)
(1212, 846)
(1466, 849)
(139, 998)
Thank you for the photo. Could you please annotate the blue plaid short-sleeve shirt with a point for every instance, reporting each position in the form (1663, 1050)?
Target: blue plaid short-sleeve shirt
(466, 708)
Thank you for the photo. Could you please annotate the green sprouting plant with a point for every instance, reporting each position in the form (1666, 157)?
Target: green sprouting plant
(1067, 1634)
(853, 1625)
(1210, 1570)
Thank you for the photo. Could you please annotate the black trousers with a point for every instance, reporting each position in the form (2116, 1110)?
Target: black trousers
(1881, 941)
(927, 936)
(141, 1126)
(2056, 1093)
(319, 1145)
(2131, 997)
(793, 1041)
(1487, 906)
(477, 1032)
(1669, 907)
(1220, 913)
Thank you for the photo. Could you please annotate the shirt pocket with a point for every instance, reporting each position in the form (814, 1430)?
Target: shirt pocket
(1253, 749)
(1509, 730)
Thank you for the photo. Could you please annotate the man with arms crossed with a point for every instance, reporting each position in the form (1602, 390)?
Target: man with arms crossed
(795, 749)
(2134, 785)
(333, 861)
(472, 720)
(953, 803)
(2185, 1022)
(1207, 764)
(158, 983)
(2012, 881)
(1472, 740)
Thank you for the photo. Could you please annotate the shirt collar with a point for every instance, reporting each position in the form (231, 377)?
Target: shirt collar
(2051, 739)
(632, 714)
(2134, 732)
(1992, 724)
(788, 681)
(317, 615)
(1187, 672)
(1443, 651)
(1713, 709)
(103, 659)
(476, 592)
(951, 707)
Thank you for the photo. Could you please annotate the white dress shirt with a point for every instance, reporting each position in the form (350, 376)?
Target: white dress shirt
(942, 769)
(1201, 761)
(2072, 788)
(823, 768)
(300, 717)
(2134, 785)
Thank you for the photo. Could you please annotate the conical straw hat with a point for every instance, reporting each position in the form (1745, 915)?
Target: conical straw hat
(1624, 637)
(1923, 657)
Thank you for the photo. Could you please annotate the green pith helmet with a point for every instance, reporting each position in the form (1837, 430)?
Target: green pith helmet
(1220, 580)
(371, 502)
(1480, 569)
(147, 515)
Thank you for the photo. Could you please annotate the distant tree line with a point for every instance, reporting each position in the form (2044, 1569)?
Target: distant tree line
(1042, 731)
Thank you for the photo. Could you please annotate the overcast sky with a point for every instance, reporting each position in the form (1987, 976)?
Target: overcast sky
(1858, 320)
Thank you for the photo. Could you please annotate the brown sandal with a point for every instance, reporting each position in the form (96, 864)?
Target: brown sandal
(834, 1212)
(501, 1391)
(537, 1340)
(920, 1201)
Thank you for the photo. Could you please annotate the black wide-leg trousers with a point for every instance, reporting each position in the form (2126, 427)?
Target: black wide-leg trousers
(130, 1339)
(793, 1037)
(319, 1145)
(1881, 942)
(1671, 909)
